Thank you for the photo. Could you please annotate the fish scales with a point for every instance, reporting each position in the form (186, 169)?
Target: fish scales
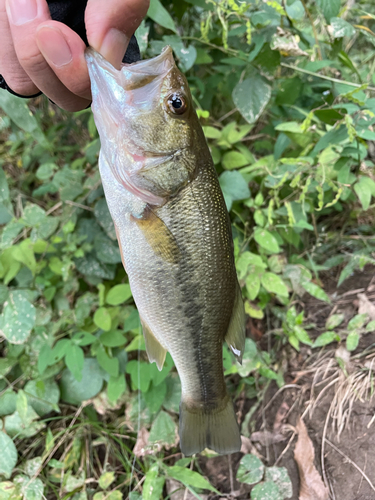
(178, 255)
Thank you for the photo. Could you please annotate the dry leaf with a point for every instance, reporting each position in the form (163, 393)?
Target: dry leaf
(366, 306)
(142, 447)
(287, 44)
(311, 484)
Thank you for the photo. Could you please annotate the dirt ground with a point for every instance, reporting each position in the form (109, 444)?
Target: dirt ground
(335, 404)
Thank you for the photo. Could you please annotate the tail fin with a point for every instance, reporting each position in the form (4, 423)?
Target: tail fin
(215, 429)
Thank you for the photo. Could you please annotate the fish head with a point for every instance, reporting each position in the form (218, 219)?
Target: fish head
(148, 127)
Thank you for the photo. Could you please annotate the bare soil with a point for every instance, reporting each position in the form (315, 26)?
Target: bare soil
(335, 404)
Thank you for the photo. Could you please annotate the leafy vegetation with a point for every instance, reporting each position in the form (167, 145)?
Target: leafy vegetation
(285, 93)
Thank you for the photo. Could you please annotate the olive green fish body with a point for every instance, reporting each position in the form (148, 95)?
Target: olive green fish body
(179, 258)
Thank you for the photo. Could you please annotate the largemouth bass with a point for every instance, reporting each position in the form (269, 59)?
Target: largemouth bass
(174, 235)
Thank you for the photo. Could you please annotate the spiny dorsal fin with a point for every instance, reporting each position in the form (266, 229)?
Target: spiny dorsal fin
(235, 336)
(158, 236)
(155, 351)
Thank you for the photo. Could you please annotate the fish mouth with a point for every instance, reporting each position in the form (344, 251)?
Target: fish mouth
(130, 76)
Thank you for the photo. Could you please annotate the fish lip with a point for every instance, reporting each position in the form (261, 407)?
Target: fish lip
(152, 66)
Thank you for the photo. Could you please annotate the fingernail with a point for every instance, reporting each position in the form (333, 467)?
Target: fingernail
(113, 47)
(22, 11)
(53, 46)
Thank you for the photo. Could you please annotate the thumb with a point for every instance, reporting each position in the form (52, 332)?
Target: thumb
(110, 25)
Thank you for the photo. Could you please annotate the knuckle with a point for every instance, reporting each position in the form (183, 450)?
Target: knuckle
(32, 62)
(21, 84)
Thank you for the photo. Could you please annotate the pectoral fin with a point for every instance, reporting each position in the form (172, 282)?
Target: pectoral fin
(155, 351)
(235, 336)
(158, 236)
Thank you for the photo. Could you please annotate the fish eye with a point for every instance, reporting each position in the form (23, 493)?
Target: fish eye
(177, 103)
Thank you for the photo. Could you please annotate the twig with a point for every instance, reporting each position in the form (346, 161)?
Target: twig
(286, 448)
(323, 77)
(313, 28)
(352, 463)
(79, 205)
(287, 386)
(230, 474)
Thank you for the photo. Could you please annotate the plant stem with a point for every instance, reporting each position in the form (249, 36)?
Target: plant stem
(317, 75)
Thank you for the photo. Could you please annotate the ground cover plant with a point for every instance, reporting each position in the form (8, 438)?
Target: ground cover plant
(285, 91)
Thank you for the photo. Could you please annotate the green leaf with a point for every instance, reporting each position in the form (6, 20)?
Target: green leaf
(234, 187)
(32, 489)
(274, 284)
(352, 341)
(364, 189)
(280, 476)
(23, 426)
(302, 335)
(8, 401)
(110, 365)
(4, 188)
(8, 455)
(103, 319)
(326, 338)
(211, 132)
(106, 480)
(253, 310)
(153, 485)
(160, 15)
(8, 491)
(118, 294)
(250, 470)
(73, 391)
(33, 215)
(163, 430)
(330, 8)
(107, 251)
(154, 397)
(334, 321)
(266, 491)
(19, 113)
(370, 327)
(266, 240)
(315, 291)
(251, 97)
(74, 359)
(116, 387)
(42, 395)
(341, 28)
(234, 159)
(104, 218)
(18, 318)
(189, 478)
(115, 338)
(185, 55)
(357, 321)
(252, 285)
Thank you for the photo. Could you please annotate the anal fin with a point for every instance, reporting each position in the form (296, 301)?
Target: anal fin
(235, 336)
(158, 236)
(155, 351)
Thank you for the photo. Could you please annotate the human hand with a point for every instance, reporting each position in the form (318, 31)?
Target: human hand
(39, 54)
